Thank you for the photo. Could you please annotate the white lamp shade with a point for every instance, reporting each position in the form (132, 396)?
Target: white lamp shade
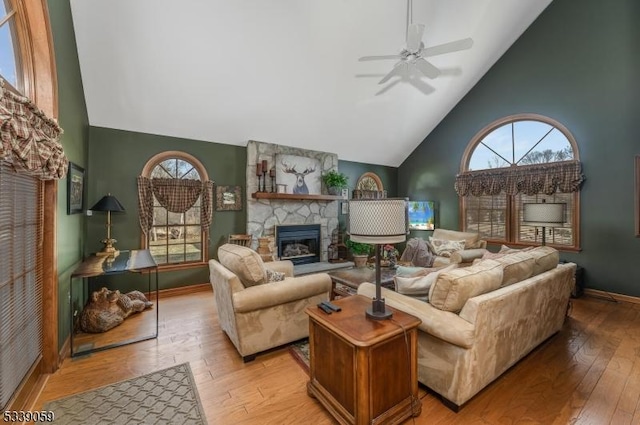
(544, 214)
(378, 221)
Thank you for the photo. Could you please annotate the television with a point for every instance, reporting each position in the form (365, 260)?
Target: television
(422, 215)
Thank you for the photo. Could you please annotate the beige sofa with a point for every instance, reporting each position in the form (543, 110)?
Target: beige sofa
(480, 320)
(257, 314)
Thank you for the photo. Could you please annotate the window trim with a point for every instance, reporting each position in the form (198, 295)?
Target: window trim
(204, 176)
(512, 223)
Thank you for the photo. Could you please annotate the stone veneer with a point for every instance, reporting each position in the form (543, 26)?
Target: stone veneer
(264, 214)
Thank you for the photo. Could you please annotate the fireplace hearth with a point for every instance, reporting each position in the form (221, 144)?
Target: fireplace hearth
(299, 243)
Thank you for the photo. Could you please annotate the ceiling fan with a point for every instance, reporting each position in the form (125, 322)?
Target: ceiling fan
(413, 55)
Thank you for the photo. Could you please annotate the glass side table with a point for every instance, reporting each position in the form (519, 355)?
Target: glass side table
(134, 261)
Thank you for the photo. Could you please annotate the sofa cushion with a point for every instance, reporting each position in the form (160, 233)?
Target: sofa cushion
(546, 258)
(472, 240)
(419, 285)
(452, 289)
(445, 247)
(516, 267)
(244, 263)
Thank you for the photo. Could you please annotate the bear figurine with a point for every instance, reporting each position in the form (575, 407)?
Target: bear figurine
(106, 309)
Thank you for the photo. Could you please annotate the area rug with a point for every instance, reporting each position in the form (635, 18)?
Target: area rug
(300, 352)
(167, 396)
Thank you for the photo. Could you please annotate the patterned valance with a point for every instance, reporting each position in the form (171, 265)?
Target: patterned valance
(175, 195)
(565, 176)
(29, 139)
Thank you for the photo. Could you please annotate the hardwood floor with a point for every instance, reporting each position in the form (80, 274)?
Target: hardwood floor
(589, 373)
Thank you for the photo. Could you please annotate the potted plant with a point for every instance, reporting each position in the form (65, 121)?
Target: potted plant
(335, 182)
(360, 252)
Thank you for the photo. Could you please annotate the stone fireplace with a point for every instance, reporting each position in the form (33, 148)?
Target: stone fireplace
(263, 215)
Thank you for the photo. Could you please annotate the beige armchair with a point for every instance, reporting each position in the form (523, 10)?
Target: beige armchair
(257, 314)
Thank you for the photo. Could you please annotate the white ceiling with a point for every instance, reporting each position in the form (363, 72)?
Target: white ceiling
(284, 71)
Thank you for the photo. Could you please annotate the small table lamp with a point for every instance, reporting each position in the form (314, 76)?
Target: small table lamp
(378, 222)
(543, 215)
(108, 203)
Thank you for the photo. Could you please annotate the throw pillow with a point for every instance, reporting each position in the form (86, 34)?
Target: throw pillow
(419, 285)
(508, 250)
(444, 247)
(493, 255)
(274, 276)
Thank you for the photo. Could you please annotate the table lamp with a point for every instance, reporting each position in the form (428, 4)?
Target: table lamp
(378, 222)
(543, 215)
(108, 203)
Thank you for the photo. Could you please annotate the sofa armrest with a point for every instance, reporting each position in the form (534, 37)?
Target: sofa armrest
(277, 293)
(442, 324)
(283, 266)
(466, 255)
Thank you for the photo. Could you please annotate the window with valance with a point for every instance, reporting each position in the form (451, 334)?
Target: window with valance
(175, 207)
(520, 159)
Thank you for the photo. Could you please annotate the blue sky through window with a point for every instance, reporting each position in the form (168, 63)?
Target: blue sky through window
(7, 53)
(507, 144)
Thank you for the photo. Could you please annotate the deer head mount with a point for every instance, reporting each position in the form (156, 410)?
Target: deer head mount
(300, 187)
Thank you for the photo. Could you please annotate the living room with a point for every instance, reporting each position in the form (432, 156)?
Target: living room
(575, 63)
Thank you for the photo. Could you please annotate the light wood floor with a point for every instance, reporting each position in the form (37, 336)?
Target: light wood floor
(589, 373)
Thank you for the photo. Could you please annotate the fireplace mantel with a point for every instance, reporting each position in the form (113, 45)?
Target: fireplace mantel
(295, 197)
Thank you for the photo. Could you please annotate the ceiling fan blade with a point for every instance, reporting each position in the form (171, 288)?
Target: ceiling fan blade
(426, 68)
(397, 70)
(452, 46)
(375, 58)
(414, 37)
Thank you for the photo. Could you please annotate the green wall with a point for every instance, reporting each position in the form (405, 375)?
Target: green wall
(578, 63)
(72, 116)
(116, 159)
(353, 170)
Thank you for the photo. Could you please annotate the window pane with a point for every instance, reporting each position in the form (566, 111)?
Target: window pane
(483, 158)
(500, 141)
(562, 235)
(527, 134)
(8, 63)
(486, 215)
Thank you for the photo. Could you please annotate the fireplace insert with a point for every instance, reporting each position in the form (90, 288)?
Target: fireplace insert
(299, 243)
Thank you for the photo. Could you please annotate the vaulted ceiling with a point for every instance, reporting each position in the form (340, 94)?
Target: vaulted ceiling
(285, 71)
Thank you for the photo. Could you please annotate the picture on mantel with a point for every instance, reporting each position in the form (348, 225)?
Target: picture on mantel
(301, 174)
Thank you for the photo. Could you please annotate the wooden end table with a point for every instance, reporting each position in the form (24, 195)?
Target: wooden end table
(364, 371)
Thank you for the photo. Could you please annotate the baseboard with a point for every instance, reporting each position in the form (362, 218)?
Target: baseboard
(184, 290)
(612, 295)
(65, 351)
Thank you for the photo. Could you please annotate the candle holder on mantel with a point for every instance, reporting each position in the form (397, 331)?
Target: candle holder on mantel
(264, 175)
(272, 174)
(259, 174)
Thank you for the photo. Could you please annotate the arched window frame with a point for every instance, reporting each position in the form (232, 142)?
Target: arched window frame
(146, 172)
(512, 220)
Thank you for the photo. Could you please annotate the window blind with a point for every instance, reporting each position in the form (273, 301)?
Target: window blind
(21, 212)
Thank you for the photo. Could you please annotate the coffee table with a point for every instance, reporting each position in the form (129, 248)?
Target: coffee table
(345, 282)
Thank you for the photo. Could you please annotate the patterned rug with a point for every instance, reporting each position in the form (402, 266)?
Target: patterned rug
(300, 352)
(167, 396)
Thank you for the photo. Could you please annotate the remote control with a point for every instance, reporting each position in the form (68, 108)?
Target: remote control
(331, 305)
(324, 308)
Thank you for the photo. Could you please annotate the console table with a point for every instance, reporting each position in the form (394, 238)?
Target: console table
(134, 261)
(363, 371)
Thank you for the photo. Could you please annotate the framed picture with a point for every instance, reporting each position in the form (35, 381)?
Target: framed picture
(228, 198)
(345, 207)
(75, 189)
(300, 174)
(422, 215)
(637, 196)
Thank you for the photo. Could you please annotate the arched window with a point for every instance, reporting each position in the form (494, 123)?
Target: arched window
(505, 166)
(176, 239)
